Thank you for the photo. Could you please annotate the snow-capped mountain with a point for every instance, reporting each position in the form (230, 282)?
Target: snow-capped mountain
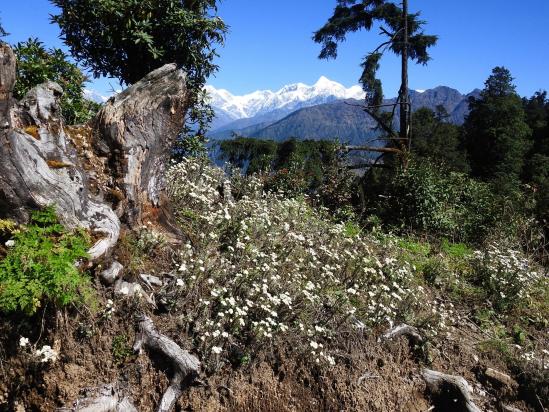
(287, 99)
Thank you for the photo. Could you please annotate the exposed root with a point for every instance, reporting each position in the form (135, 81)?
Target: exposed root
(450, 389)
(410, 332)
(104, 399)
(183, 366)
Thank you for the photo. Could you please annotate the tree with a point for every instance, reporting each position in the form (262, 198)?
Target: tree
(36, 65)
(496, 133)
(536, 168)
(437, 141)
(127, 39)
(404, 37)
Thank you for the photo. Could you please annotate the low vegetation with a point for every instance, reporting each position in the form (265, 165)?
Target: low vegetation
(40, 265)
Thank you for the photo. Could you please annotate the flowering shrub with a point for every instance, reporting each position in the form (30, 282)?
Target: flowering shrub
(265, 266)
(506, 275)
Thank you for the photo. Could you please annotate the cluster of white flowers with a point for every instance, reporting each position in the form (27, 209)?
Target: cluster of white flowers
(263, 266)
(109, 309)
(506, 273)
(46, 354)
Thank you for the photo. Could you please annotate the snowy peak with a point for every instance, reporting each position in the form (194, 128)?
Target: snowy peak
(288, 98)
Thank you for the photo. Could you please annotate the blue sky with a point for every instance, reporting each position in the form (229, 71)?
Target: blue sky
(269, 44)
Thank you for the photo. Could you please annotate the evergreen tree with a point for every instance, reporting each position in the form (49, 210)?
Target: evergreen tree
(496, 133)
(404, 37)
(536, 170)
(437, 141)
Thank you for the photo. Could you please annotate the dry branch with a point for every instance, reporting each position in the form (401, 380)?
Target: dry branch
(449, 387)
(183, 366)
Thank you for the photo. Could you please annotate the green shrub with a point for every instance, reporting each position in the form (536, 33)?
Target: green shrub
(40, 266)
(36, 65)
(424, 199)
(121, 349)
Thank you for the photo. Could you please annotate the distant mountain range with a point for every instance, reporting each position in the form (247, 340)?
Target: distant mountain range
(326, 110)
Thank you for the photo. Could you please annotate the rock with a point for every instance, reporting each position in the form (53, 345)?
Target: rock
(151, 280)
(112, 273)
(131, 289)
(500, 378)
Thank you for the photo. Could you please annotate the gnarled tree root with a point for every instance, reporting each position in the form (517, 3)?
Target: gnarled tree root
(183, 366)
(410, 332)
(103, 399)
(450, 388)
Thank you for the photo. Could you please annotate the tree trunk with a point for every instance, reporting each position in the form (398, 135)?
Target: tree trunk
(404, 96)
(43, 163)
(139, 126)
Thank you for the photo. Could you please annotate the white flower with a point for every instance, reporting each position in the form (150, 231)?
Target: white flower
(183, 267)
(211, 281)
(10, 243)
(314, 345)
(217, 350)
(180, 283)
(23, 341)
(46, 353)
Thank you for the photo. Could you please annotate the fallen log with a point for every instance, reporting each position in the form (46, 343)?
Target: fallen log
(411, 332)
(182, 366)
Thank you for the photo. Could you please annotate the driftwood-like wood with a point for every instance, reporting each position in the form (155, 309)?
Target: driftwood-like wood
(107, 398)
(139, 127)
(450, 387)
(410, 332)
(39, 166)
(182, 366)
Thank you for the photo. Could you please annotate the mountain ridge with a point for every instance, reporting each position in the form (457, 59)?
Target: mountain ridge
(340, 119)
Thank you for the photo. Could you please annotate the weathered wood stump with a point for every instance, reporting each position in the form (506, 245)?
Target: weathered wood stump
(41, 166)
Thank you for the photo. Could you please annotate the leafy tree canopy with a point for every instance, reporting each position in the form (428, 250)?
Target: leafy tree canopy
(36, 65)
(353, 15)
(127, 39)
(3, 32)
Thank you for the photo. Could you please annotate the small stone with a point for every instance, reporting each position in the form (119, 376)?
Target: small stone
(112, 273)
(151, 280)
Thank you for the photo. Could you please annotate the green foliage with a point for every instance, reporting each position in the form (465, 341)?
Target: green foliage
(496, 133)
(36, 65)
(121, 349)
(40, 267)
(437, 141)
(428, 200)
(536, 168)
(127, 39)
(295, 167)
(353, 15)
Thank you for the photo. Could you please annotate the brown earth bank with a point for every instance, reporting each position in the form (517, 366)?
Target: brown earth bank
(371, 374)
